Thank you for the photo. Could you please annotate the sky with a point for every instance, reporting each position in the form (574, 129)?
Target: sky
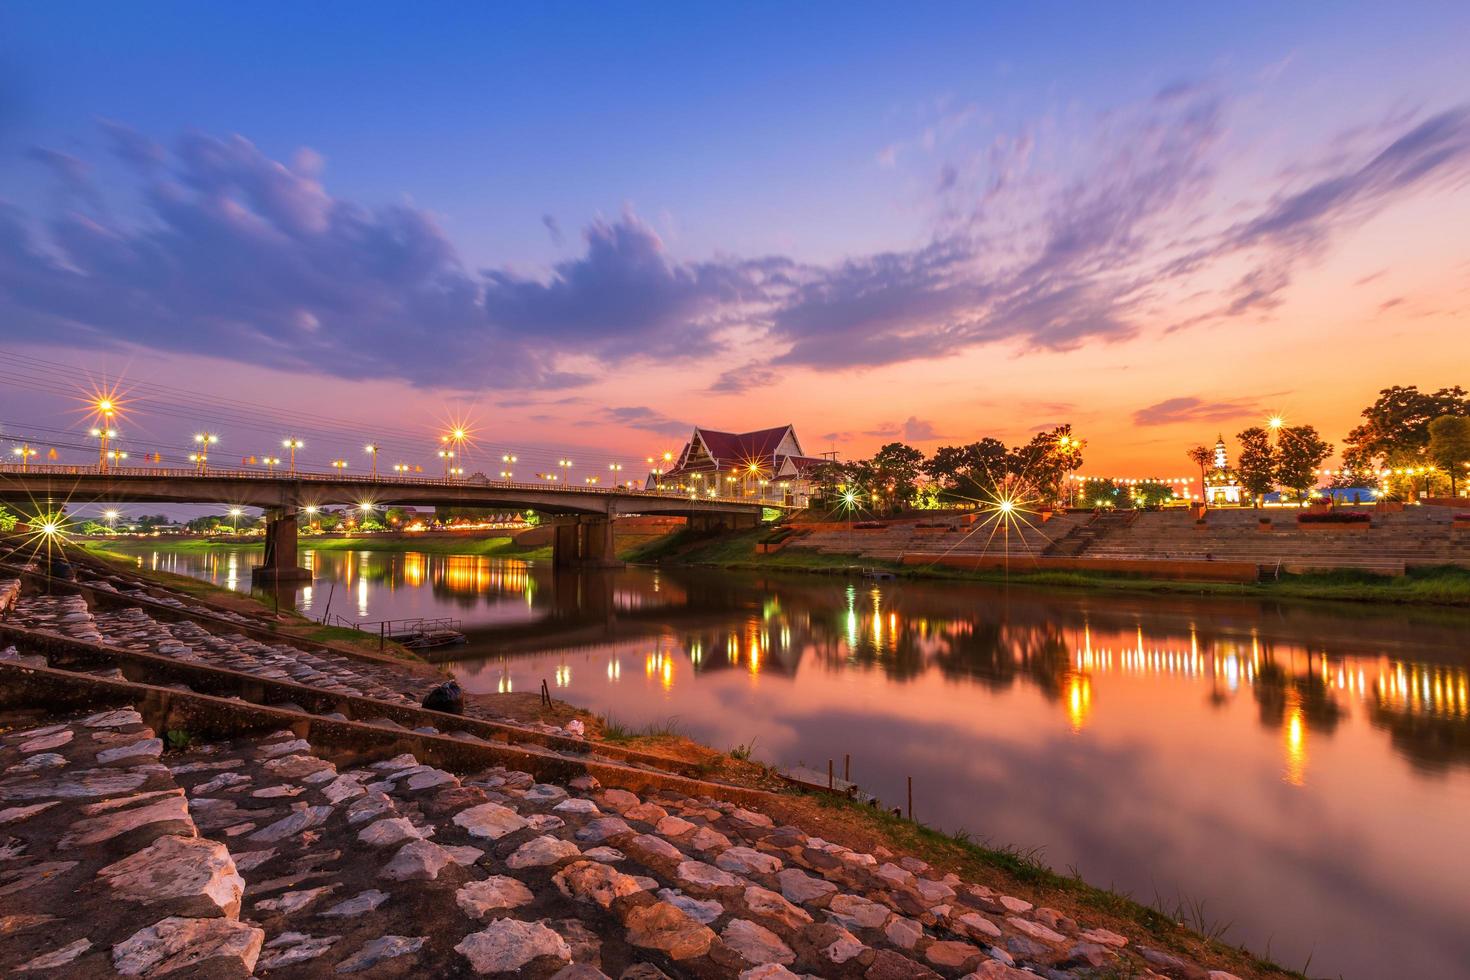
(586, 228)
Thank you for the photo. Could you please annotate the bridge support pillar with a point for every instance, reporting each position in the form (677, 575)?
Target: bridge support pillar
(280, 565)
(584, 542)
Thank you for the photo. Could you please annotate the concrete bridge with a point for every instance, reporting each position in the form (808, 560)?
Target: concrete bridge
(583, 516)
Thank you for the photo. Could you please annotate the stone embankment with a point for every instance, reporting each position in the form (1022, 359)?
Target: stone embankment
(148, 851)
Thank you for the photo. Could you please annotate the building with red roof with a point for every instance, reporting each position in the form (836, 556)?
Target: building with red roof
(768, 464)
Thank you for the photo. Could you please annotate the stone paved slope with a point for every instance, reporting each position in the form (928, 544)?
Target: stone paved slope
(102, 871)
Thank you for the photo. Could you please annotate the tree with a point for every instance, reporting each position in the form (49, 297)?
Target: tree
(896, 468)
(1151, 494)
(1396, 425)
(968, 472)
(7, 520)
(1299, 453)
(1256, 465)
(1044, 461)
(1449, 446)
(1203, 457)
(1100, 493)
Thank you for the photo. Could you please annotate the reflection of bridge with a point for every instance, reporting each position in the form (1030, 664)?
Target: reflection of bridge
(583, 524)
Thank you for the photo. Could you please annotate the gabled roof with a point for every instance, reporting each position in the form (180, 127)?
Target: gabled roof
(732, 447)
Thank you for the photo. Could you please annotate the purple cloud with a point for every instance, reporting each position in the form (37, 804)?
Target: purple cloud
(1194, 409)
(647, 419)
(244, 255)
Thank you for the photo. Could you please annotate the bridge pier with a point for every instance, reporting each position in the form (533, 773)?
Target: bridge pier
(280, 552)
(584, 542)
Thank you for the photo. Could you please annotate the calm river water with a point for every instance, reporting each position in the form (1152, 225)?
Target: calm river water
(1304, 770)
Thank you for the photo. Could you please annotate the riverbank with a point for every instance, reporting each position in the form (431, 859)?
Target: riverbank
(288, 622)
(1181, 930)
(501, 546)
(1440, 586)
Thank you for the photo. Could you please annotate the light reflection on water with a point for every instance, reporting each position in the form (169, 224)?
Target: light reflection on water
(1305, 769)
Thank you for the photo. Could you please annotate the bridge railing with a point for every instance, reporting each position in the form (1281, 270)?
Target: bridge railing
(366, 480)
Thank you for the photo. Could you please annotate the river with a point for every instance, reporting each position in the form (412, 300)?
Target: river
(1302, 770)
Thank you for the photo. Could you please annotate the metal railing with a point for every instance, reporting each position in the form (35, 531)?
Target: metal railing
(307, 477)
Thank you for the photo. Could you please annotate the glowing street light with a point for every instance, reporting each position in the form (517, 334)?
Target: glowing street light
(235, 513)
(25, 452)
(103, 434)
(339, 465)
(110, 516)
(201, 458)
(270, 463)
(566, 466)
(292, 443)
(448, 456)
(372, 450)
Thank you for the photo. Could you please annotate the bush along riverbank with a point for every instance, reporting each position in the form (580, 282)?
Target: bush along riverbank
(1441, 586)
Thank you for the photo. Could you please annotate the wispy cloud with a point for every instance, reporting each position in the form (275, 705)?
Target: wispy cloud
(1191, 408)
(242, 253)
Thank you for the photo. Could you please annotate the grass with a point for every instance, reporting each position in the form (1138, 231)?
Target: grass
(743, 751)
(615, 731)
(1443, 585)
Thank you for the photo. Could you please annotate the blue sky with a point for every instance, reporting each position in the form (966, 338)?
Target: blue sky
(770, 181)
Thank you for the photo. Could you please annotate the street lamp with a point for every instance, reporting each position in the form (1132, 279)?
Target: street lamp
(25, 452)
(292, 443)
(102, 435)
(566, 466)
(372, 450)
(110, 516)
(339, 465)
(448, 456)
(235, 513)
(201, 458)
(271, 462)
(509, 459)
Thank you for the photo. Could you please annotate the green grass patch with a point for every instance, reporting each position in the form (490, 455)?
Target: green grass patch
(1446, 585)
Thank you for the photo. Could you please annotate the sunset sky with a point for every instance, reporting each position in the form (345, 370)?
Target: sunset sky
(592, 227)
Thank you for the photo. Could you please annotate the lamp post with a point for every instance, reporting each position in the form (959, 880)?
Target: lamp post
(453, 444)
(110, 516)
(339, 465)
(566, 466)
(510, 460)
(201, 458)
(25, 452)
(292, 443)
(235, 513)
(271, 462)
(372, 450)
(102, 435)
